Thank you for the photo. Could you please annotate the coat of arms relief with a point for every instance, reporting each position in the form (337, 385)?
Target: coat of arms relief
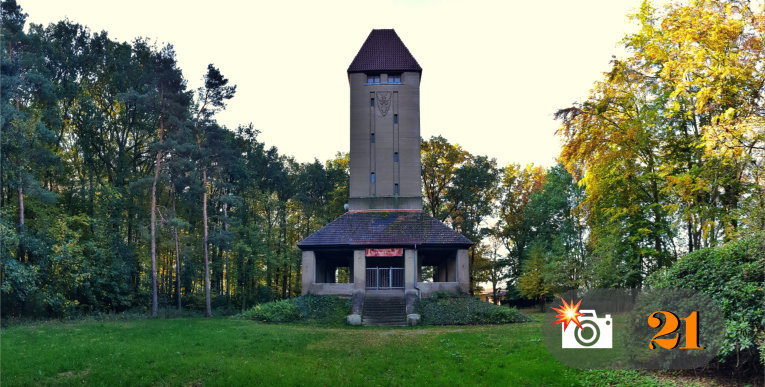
(384, 102)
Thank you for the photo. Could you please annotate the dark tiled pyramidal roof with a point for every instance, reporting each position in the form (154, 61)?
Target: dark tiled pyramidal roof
(385, 228)
(383, 51)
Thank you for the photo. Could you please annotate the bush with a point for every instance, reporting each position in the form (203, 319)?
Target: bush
(309, 309)
(448, 309)
(732, 275)
(322, 309)
(275, 311)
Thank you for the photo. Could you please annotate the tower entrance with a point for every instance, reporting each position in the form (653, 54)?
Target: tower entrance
(385, 272)
(385, 278)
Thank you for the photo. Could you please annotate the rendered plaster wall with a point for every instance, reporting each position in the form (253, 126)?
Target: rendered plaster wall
(309, 270)
(394, 119)
(463, 270)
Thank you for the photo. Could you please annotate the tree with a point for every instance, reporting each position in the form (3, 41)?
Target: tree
(26, 95)
(669, 144)
(513, 227)
(172, 105)
(492, 266)
(440, 160)
(338, 173)
(532, 282)
(211, 99)
(553, 213)
(470, 201)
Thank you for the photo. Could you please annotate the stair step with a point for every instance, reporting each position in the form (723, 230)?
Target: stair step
(385, 324)
(384, 311)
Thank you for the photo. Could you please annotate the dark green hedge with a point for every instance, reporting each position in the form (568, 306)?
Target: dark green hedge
(734, 276)
(310, 308)
(448, 309)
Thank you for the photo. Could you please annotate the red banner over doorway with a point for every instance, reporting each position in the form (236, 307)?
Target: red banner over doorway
(396, 252)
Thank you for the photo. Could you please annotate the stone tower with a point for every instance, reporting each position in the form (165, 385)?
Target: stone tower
(385, 245)
(384, 80)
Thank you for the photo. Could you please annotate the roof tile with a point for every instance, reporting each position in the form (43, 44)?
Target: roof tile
(383, 51)
(384, 228)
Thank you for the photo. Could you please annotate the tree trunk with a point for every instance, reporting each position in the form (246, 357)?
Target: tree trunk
(153, 220)
(269, 267)
(153, 227)
(2, 183)
(208, 308)
(22, 253)
(226, 263)
(284, 255)
(177, 261)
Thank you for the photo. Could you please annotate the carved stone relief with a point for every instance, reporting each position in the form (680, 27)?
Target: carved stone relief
(383, 104)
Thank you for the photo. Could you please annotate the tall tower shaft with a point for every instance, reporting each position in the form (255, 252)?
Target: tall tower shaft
(384, 82)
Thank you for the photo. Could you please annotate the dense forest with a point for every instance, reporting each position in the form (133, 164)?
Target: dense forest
(119, 190)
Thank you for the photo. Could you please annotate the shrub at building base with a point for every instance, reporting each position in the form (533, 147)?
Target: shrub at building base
(448, 309)
(732, 275)
(309, 309)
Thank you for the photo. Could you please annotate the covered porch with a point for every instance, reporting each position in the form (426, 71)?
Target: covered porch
(349, 271)
(367, 252)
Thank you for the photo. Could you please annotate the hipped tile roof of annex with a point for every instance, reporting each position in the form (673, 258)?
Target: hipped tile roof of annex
(383, 51)
(385, 228)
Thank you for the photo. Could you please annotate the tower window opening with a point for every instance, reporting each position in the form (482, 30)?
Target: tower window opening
(395, 118)
(395, 157)
(372, 102)
(373, 79)
(394, 78)
(395, 189)
(372, 178)
(372, 138)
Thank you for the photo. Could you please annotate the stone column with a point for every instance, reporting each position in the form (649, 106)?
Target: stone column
(309, 271)
(359, 281)
(359, 270)
(463, 270)
(409, 269)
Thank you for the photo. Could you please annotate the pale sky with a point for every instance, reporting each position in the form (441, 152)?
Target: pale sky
(494, 72)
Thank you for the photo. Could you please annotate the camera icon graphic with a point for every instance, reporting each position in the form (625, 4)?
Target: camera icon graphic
(596, 332)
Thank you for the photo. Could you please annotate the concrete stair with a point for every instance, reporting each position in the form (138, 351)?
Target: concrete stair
(384, 310)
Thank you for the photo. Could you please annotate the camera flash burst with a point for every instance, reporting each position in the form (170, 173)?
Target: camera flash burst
(568, 313)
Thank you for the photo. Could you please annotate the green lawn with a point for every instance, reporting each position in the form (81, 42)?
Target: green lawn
(224, 351)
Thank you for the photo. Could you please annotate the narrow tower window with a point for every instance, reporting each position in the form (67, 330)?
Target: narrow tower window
(395, 157)
(372, 102)
(372, 178)
(395, 118)
(395, 189)
(372, 138)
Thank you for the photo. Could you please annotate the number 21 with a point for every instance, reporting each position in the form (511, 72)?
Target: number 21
(670, 326)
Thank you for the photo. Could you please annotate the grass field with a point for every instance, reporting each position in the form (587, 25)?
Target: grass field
(225, 351)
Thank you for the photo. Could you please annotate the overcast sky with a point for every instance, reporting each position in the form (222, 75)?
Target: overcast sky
(494, 72)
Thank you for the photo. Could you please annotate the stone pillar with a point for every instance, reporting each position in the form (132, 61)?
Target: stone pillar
(309, 271)
(409, 269)
(359, 270)
(463, 270)
(410, 293)
(359, 281)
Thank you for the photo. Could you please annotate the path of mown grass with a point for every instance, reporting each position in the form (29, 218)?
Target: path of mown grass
(225, 351)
